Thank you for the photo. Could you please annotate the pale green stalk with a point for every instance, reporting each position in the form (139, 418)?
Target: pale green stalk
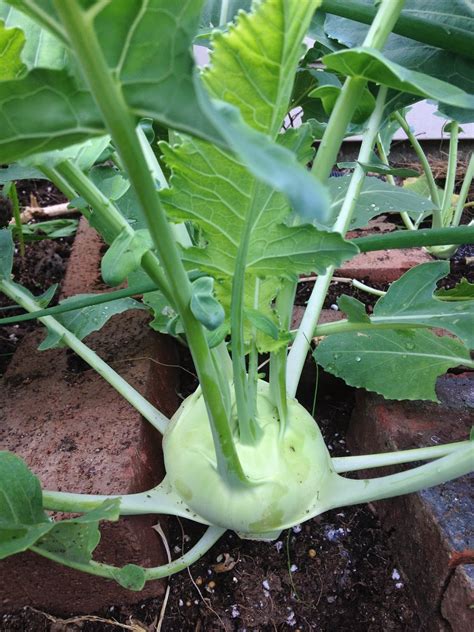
(210, 537)
(446, 252)
(446, 204)
(366, 288)
(149, 412)
(434, 195)
(391, 180)
(301, 344)
(368, 461)
(111, 103)
(387, 15)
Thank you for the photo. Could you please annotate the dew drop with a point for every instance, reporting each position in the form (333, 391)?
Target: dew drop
(358, 359)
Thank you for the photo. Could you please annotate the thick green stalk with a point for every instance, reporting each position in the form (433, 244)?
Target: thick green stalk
(151, 414)
(301, 344)
(57, 179)
(415, 239)
(453, 38)
(116, 115)
(387, 15)
(434, 195)
(106, 210)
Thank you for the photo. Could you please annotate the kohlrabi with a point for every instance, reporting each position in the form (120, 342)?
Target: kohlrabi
(213, 222)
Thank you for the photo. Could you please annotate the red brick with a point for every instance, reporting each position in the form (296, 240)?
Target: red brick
(78, 434)
(383, 266)
(427, 529)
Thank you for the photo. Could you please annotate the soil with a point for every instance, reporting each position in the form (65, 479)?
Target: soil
(43, 265)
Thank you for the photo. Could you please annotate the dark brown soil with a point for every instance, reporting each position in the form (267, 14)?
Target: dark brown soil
(43, 265)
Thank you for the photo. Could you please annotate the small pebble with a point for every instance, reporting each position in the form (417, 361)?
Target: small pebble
(312, 553)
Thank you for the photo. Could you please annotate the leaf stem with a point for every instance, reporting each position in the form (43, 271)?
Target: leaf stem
(111, 102)
(421, 157)
(380, 29)
(367, 461)
(301, 344)
(415, 239)
(451, 174)
(391, 180)
(149, 412)
(81, 303)
(13, 195)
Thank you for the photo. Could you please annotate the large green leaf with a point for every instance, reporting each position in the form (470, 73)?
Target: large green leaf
(147, 46)
(376, 197)
(411, 300)
(373, 66)
(449, 15)
(398, 364)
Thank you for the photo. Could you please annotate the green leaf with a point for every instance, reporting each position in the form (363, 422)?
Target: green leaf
(11, 43)
(463, 291)
(130, 576)
(147, 47)
(205, 307)
(75, 540)
(262, 323)
(84, 321)
(401, 172)
(211, 13)
(376, 197)
(22, 519)
(371, 65)
(411, 300)
(329, 95)
(456, 68)
(19, 172)
(398, 364)
(353, 308)
(41, 49)
(124, 255)
(162, 311)
(6, 253)
(51, 229)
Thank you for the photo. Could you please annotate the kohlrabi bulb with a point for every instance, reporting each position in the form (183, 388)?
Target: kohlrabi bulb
(284, 472)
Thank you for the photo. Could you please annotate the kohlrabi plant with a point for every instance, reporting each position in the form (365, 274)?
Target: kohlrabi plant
(202, 191)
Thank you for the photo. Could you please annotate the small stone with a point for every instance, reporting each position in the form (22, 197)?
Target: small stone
(312, 553)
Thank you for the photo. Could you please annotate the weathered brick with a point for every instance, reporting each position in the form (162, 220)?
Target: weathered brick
(430, 528)
(78, 434)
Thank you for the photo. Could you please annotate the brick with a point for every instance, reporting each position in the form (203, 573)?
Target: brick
(430, 528)
(383, 266)
(78, 434)
(458, 598)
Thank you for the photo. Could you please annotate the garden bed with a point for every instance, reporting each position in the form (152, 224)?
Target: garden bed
(335, 572)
